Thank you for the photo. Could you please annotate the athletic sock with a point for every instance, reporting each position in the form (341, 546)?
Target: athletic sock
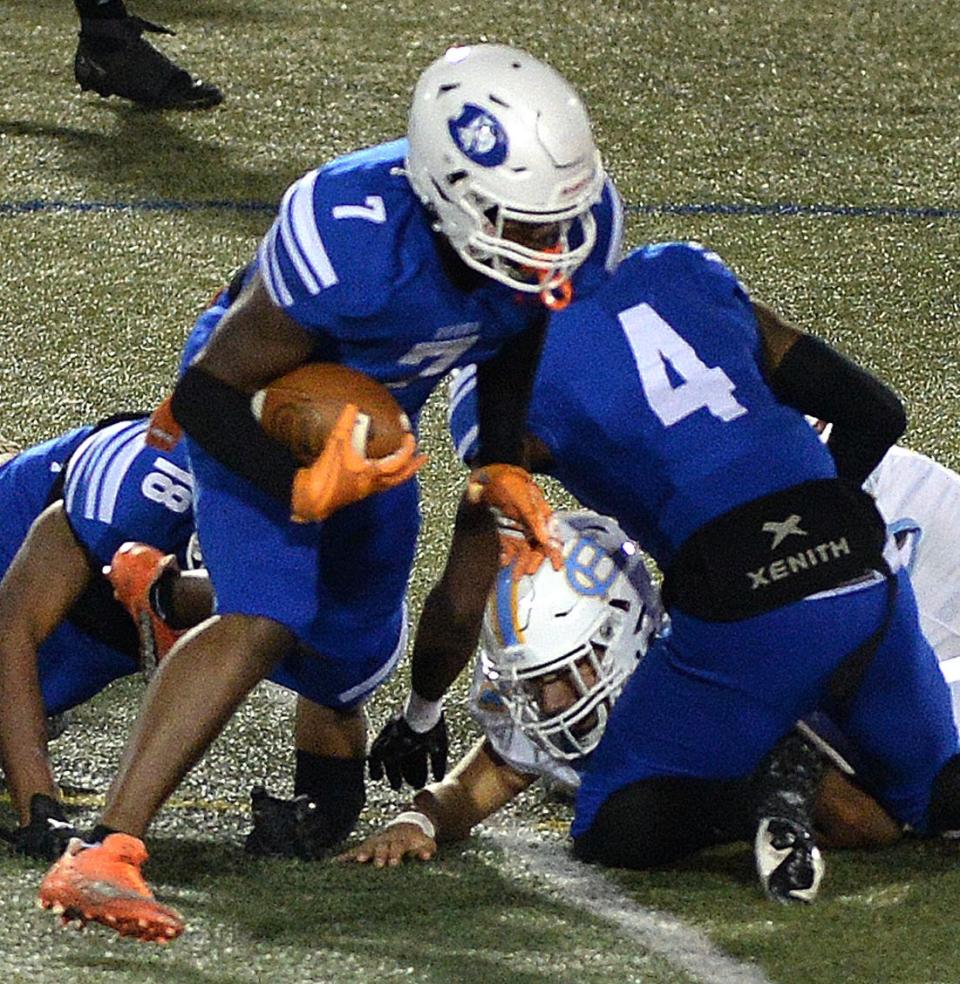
(336, 785)
(100, 9)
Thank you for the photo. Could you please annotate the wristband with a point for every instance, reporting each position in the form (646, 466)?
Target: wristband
(418, 819)
(420, 714)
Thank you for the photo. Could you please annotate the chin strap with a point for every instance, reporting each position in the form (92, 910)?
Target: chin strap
(556, 298)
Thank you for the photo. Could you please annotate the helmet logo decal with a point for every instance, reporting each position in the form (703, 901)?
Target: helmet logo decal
(583, 568)
(479, 136)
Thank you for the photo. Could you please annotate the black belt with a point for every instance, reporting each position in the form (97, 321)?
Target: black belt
(775, 550)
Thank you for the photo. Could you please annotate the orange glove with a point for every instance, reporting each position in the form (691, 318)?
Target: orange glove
(517, 550)
(342, 474)
(512, 492)
(163, 431)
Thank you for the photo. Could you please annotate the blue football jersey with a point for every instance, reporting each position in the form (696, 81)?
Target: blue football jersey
(118, 489)
(651, 398)
(26, 483)
(352, 258)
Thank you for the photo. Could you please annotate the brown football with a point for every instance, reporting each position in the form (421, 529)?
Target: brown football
(300, 409)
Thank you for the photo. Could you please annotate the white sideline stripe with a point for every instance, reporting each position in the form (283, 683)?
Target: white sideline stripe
(583, 886)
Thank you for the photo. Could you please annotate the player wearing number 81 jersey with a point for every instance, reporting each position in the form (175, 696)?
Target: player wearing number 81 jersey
(684, 424)
(68, 505)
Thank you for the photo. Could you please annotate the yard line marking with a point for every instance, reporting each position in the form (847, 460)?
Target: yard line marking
(822, 209)
(681, 945)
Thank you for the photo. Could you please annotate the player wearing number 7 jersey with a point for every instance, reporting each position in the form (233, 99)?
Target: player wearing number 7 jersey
(684, 423)
(403, 261)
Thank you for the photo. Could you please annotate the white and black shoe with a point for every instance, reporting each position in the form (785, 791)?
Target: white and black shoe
(788, 860)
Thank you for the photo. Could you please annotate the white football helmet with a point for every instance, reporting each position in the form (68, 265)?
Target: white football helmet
(593, 620)
(500, 151)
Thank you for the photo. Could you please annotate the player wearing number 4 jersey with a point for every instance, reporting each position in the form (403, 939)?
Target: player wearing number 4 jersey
(784, 595)
(68, 505)
(404, 261)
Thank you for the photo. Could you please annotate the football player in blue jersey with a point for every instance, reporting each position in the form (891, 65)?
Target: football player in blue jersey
(403, 261)
(68, 505)
(784, 593)
(556, 650)
(71, 506)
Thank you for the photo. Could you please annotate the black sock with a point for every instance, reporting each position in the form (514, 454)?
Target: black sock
(100, 9)
(336, 785)
(316, 775)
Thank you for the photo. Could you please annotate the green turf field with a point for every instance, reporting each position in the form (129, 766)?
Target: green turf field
(812, 144)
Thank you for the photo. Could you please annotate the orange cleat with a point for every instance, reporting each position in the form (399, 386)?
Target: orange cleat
(133, 571)
(102, 883)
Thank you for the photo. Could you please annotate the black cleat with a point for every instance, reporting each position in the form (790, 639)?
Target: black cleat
(789, 862)
(292, 828)
(114, 60)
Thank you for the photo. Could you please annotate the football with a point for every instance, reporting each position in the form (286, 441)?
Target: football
(301, 408)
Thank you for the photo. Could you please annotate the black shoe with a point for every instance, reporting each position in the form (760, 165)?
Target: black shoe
(789, 862)
(113, 60)
(292, 828)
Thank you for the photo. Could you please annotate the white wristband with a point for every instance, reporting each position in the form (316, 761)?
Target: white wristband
(422, 714)
(418, 819)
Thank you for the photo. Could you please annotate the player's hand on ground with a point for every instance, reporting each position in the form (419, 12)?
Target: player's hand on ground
(343, 475)
(389, 847)
(47, 834)
(404, 754)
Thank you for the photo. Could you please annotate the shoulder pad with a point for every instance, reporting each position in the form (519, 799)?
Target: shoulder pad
(337, 246)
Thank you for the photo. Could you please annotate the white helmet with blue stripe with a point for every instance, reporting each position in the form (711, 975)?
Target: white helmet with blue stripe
(588, 624)
(500, 151)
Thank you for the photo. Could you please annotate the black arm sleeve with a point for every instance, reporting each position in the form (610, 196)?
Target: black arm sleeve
(867, 416)
(504, 385)
(218, 417)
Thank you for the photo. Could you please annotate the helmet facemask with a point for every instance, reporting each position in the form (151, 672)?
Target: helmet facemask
(559, 645)
(589, 675)
(501, 245)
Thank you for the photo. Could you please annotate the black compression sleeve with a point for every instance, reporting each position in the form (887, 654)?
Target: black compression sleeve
(504, 385)
(867, 416)
(218, 417)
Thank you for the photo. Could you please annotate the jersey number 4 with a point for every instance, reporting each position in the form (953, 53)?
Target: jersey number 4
(654, 344)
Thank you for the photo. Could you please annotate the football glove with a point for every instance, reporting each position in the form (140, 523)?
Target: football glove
(342, 475)
(163, 431)
(45, 837)
(523, 514)
(403, 754)
(292, 828)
